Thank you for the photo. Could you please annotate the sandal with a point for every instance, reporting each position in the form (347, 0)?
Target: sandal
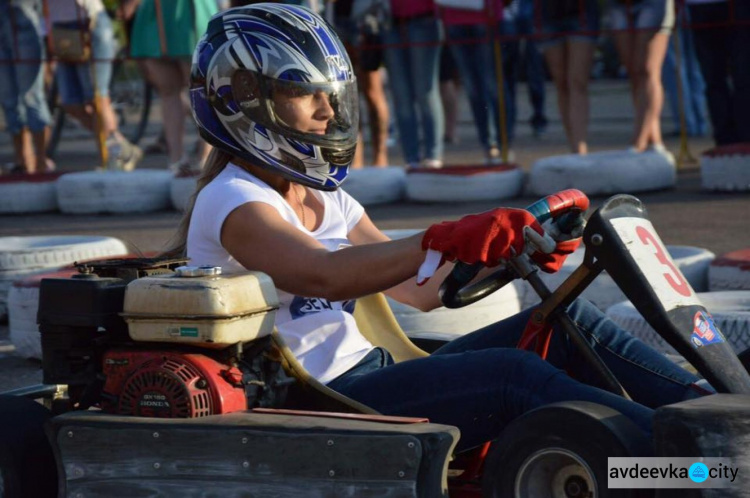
(157, 147)
(14, 169)
(182, 169)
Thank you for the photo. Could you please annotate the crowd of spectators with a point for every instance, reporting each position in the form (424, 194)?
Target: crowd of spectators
(687, 52)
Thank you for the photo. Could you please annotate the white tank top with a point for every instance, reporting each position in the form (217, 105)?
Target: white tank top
(322, 335)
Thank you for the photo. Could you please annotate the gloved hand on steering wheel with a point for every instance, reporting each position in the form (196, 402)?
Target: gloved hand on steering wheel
(492, 237)
(566, 244)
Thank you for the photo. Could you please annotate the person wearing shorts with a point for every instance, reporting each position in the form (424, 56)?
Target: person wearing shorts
(84, 86)
(642, 30)
(569, 30)
(163, 37)
(27, 117)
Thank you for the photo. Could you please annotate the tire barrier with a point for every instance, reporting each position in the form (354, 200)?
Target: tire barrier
(443, 324)
(693, 262)
(730, 310)
(730, 271)
(140, 191)
(726, 168)
(21, 257)
(464, 183)
(28, 193)
(446, 324)
(23, 304)
(608, 172)
(181, 190)
(400, 233)
(373, 185)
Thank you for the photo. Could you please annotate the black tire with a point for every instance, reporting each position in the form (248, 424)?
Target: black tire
(27, 464)
(561, 450)
(745, 359)
(131, 97)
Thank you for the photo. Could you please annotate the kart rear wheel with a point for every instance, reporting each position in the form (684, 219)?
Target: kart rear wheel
(27, 464)
(561, 451)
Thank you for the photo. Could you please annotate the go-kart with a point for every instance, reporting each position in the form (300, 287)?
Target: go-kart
(162, 379)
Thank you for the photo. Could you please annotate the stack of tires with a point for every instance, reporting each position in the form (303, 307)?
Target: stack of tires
(23, 257)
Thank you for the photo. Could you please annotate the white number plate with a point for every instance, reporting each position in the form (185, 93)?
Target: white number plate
(649, 253)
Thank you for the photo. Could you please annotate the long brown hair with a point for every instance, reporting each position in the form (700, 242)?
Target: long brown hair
(215, 163)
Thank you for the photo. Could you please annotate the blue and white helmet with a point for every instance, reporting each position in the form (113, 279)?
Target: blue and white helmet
(250, 57)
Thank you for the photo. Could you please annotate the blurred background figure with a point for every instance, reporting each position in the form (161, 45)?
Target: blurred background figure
(522, 58)
(164, 35)
(362, 37)
(570, 30)
(642, 33)
(22, 98)
(83, 82)
(450, 86)
(412, 57)
(681, 62)
(472, 34)
(723, 51)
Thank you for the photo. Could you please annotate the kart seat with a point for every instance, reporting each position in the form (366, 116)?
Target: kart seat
(377, 323)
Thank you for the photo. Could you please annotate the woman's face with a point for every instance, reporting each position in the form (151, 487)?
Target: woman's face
(308, 113)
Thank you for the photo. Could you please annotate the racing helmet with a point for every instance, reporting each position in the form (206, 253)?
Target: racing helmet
(273, 84)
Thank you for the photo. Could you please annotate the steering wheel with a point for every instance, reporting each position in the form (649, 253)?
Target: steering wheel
(564, 208)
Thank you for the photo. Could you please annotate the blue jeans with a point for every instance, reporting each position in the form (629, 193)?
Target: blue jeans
(693, 86)
(725, 64)
(21, 76)
(480, 383)
(532, 60)
(76, 82)
(578, 26)
(645, 14)
(473, 52)
(412, 57)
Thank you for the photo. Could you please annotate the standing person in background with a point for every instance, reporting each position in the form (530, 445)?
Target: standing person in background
(412, 57)
(687, 69)
(471, 33)
(27, 116)
(570, 29)
(363, 41)
(642, 32)
(84, 86)
(518, 21)
(164, 35)
(724, 54)
(449, 88)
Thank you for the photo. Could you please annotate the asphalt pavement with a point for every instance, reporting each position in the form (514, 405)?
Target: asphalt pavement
(684, 215)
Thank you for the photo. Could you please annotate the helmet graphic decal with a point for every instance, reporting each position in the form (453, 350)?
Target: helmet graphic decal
(272, 84)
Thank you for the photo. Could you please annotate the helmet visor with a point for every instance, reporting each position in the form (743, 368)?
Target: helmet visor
(325, 114)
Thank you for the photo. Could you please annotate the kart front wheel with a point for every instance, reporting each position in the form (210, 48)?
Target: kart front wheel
(561, 451)
(27, 464)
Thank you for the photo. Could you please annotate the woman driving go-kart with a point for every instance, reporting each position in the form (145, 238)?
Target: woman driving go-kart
(273, 91)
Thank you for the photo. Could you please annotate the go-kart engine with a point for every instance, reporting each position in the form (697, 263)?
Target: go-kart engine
(170, 385)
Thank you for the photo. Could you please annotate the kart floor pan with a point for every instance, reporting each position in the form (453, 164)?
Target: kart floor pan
(249, 454)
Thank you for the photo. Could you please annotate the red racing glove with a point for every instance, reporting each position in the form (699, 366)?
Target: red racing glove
(551, 263)
(487, 238)
(567, 243)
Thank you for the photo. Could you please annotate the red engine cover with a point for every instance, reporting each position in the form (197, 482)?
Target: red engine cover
(169, 385)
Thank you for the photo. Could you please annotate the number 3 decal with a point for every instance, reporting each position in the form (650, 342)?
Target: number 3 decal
(673, 277)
